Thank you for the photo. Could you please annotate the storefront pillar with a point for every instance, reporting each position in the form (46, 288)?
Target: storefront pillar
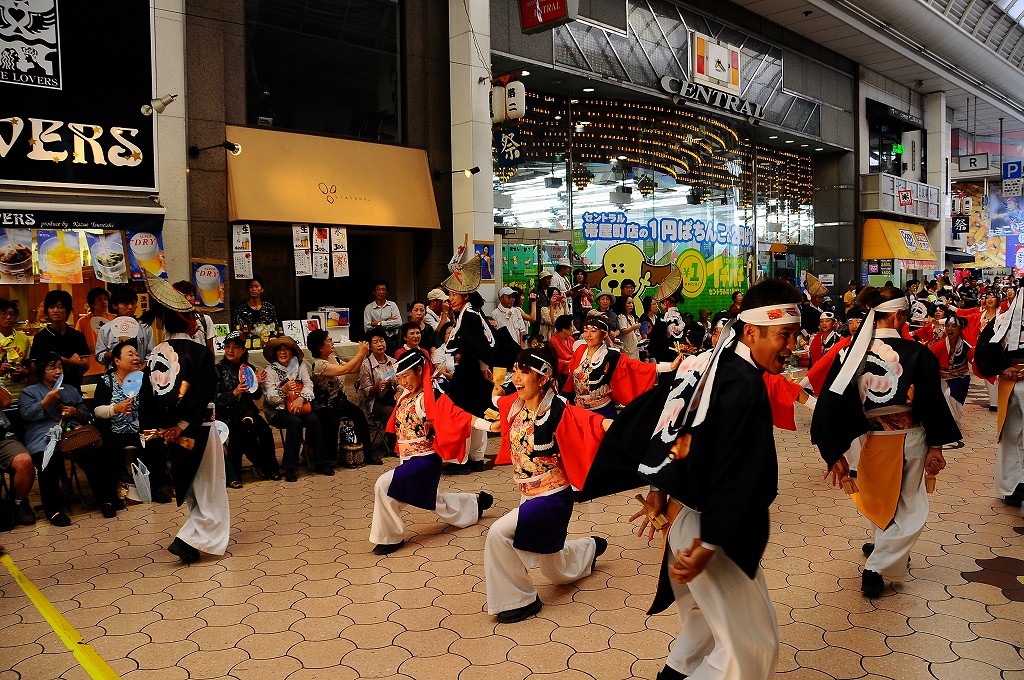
(835, 242)
(937, 146)
(472, 198)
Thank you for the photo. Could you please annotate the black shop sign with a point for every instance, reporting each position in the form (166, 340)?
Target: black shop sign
(73, 79)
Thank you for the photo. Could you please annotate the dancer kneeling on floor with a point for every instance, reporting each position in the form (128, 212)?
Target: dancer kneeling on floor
(550, 445)
(414, 482)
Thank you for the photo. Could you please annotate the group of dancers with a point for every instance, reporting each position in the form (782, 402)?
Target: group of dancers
(700, 440)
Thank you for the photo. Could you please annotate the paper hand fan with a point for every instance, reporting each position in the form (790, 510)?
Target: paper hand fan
(247, 377)
(132, 384)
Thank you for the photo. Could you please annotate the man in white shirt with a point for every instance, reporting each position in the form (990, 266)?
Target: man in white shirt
(383, 313)
(438, 311)
(561, 280)
(507, 315)
(123, 300)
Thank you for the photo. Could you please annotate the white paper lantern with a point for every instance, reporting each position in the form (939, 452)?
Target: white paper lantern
(497, 103)
(515, 100)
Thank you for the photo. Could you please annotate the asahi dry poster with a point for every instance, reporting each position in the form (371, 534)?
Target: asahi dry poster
(73, 79)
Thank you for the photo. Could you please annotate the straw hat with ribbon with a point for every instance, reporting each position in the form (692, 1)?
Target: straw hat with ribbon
(673, 282)
(465, 277)
(815, 288)
(161, 291)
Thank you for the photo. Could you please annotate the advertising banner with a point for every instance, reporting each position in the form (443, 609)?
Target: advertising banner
(209, 277)
(73, 80)
(989, 250)
(16, 256)
(60, 256)
(108, 260)
(146, 251)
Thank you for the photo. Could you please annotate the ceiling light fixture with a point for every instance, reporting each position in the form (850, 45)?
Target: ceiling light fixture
(524, 73)
(773, 137)
(819, 149)
(789, 141)
(588, 89)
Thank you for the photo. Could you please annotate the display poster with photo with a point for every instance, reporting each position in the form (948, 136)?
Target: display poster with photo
(146, 251)
(16, 256)
(60, 256)
(108, 260)
(242, 239)
(300, 236)
(208, 277)
(321, 240)
(243, 266)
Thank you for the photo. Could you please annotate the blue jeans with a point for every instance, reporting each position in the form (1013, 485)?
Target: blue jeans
(293, 425)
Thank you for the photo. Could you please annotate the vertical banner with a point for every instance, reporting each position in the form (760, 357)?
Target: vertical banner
(16, 256)
(339, 250)
(108, 261)
(208, 277)
(243, 265)
(60, 256)
(300, 236)
(146, 251)
(321, 265)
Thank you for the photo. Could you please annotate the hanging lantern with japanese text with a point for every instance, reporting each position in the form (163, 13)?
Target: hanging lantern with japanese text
(497, 103)
(515, 100)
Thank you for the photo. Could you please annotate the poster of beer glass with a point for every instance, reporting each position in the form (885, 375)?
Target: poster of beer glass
(208, 277)
(60, 256)
(16, 256)
(146, 251)
(107, 254)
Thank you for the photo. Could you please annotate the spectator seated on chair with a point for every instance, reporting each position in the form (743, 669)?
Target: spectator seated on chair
(118, 414)
(288, 392)
(330, 403)
(412, 337)
(42, 406)
(14, 457)
(377, 381)
(248, 432)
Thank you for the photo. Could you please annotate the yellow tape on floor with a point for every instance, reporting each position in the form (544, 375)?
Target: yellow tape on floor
(87, 657)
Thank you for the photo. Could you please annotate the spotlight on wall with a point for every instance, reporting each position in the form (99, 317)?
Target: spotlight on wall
(232, 147)
(158, 105)
(468, 172)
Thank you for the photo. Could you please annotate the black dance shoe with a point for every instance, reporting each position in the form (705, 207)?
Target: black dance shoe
(602, 545)
(183, 550)
(59, 519)
(1015, 500)
(871, 583)
(484, 500)
(521, 613)
(455, 469)
(290, 476)
(867, 549)
(477, 465)
(669, 673)
(387, 548)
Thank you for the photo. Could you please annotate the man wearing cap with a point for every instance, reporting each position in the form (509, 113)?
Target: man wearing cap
(561, 280)
(713, 453)
(825, 338)
(507, 315)
(810, 310)
(438, 310)
(178, 383)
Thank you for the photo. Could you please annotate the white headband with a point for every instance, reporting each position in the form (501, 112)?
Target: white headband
(862, 343)
(771, 315)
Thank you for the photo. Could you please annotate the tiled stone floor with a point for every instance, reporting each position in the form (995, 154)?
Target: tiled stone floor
(300, 596)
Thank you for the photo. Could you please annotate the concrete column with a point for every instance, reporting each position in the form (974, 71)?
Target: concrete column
(171, 145)
(835, 236)
(469, 44)
(937, 145)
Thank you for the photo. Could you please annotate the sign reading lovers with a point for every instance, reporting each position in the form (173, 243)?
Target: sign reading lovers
(73, 80)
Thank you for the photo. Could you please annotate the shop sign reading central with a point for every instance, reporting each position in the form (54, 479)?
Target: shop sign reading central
(711, 97)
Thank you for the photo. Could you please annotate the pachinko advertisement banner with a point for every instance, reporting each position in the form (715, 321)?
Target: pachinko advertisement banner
(60, 256)
(108, 260)
(992, 249)
(714, 256)
(146, 251)
(16, 256)
(519, 267)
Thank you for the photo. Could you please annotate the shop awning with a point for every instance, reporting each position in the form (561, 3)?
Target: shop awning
(70, 211)
(958, 257)
(777, 248)
(288, 177)
(890, 240)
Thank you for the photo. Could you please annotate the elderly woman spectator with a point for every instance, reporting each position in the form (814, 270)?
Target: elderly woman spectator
(288, 391)
(377, 381)
(44, 405)
(418, 317)
(444, 363)
(412, 340)
(117, 411)
(13, 350)
(330, 403)
(248, 433)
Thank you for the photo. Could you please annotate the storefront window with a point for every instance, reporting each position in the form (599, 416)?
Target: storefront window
(328, 68)
(647, 185)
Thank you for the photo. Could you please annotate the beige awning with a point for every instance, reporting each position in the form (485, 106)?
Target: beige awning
(288, 177)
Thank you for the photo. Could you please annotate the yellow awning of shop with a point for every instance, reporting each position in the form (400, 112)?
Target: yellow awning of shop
(890, 240)
(777, 248)
(288, 177)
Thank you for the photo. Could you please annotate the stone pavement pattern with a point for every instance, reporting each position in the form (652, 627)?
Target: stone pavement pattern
(300, 596)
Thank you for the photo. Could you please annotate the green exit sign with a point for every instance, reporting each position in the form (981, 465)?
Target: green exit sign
(898, 149)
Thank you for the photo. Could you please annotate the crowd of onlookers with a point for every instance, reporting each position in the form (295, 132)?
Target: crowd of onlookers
(302, 391)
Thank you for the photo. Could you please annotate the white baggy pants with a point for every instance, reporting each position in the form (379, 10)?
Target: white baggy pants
(476, 445)
(388, 527)
(1010, 454)
(509, 585)
(993, 393)
(730, 630)
(208, 526)
(893, 544)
